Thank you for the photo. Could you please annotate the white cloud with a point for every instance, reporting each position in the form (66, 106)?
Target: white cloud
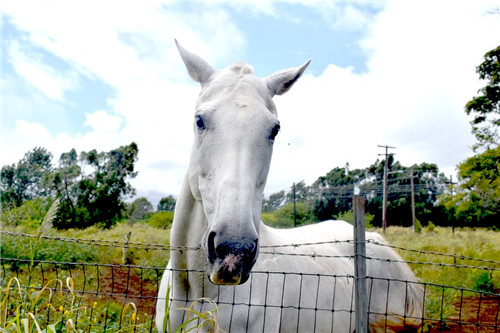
(420, 74)
(31, 66)
(102, 122)
(421, 71)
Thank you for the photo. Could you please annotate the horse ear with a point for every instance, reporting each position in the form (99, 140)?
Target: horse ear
(280, 82)
(198, 69)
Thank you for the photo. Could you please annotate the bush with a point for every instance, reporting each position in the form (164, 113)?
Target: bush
(275, 221)
(349, 217)
(29, 214)
(430, 227)
(418, 226)
(483, 282)
(161, 220)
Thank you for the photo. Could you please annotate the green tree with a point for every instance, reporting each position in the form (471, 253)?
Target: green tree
(166, 204)
(275, 201)
(334, 191)
(486, 106)
(93, 186)
(477, 201)
(141, 208)
(24, 181)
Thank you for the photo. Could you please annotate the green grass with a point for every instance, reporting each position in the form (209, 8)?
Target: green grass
(463, 244)
(475, 243)
(27, 300)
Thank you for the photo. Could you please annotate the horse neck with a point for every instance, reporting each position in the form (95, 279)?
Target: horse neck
(188, 228)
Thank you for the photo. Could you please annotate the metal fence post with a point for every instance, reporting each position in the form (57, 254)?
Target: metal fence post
(360, 264)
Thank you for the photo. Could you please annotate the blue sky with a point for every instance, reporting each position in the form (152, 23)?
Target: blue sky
(91, 74)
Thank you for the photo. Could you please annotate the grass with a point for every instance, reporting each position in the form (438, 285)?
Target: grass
(463, 243)
(450, 283)
(54, 297)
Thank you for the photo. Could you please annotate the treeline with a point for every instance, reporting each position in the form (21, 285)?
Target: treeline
(92, 186)
(330, 196)
(474, 201)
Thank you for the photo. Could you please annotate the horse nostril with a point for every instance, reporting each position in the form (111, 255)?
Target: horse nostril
(212, 254)
(245, 250)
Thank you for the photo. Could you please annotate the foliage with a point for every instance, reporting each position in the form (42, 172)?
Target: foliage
(430, 226)
(140, 209)
(56, 307)
(30, 213)
(331, 195)
(166, 204)
(161, 220)
(349, 217)
(275, 201)
(285, 217)
(23, 181)
(484, 282)
(486, 106)
(92, 186)
(477, 201)
(463, 244)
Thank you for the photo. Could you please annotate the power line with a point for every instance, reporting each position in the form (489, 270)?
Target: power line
(386, 167)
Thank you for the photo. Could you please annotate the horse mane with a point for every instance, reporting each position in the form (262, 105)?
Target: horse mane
(241, 68)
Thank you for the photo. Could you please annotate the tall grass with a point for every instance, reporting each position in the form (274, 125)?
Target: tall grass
(53, 303)
(450, 279)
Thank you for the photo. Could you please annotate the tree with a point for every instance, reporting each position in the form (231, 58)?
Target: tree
(275, 201)
(486, 106)
(333, 192)
(96, 196)
(477, 202)
(24, 181)
(166, 204)
(141, 208)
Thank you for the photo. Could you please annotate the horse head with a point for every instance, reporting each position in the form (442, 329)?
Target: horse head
(235, 125)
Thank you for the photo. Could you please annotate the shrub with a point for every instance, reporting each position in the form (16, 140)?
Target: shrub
(349, 217)
(418, 226)
(430, 227)
(484, 282)
(275, 221)
(161, 219)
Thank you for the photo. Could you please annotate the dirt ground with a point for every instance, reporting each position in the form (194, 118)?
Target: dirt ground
(477, 314)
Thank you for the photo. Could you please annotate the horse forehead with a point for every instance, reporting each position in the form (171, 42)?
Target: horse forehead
(237, 83)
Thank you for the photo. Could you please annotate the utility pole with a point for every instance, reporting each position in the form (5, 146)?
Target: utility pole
(294, 207)
(386, 167)
(412, 201)
(451, 192)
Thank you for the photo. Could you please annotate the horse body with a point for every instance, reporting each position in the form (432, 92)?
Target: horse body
(217, 237)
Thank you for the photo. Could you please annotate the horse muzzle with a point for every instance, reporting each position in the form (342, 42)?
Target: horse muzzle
(230, 260)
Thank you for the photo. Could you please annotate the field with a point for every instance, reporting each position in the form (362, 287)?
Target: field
(111, 296)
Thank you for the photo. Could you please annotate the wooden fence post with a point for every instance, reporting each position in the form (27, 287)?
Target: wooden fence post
(360, 264)
(125, 247)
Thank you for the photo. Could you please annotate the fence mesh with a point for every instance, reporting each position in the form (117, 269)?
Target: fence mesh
(97, 297)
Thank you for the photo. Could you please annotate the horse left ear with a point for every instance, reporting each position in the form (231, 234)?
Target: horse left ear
(280, 82)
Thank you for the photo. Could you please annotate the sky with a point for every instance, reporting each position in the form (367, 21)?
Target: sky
(101, 74)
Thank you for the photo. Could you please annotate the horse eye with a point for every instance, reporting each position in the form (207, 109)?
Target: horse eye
(200, 123)
(274, 132)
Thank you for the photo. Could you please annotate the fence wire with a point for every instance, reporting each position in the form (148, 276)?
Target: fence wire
(97, 297)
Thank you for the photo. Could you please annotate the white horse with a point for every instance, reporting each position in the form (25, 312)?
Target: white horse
(221, 251)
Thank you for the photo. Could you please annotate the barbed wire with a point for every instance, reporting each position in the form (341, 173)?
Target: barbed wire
(313, 255)
(455, 256)
(109, 243)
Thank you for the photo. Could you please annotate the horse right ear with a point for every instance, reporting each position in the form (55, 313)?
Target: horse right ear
(280, 82)
(198, 69)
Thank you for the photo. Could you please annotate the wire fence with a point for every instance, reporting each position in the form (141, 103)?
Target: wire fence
(97, 297)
